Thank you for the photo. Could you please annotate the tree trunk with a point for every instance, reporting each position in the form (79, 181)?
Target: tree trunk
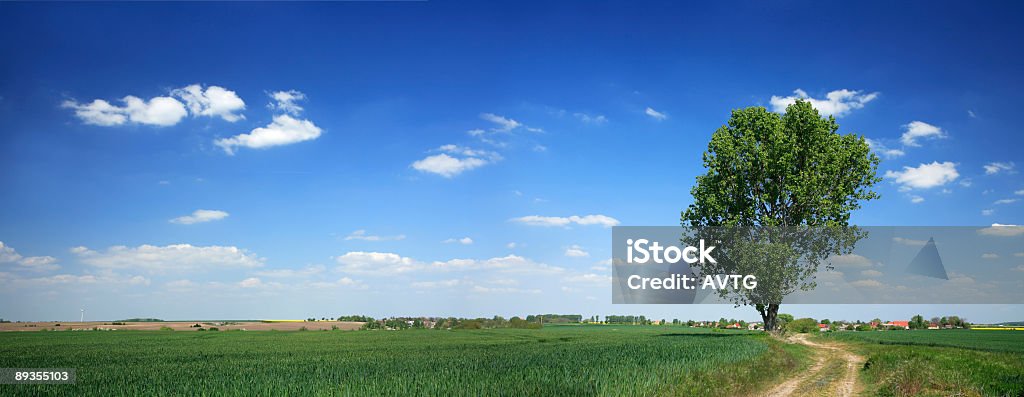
(770, 315)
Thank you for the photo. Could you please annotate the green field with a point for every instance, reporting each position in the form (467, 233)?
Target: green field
(564, 360)
(939, 362)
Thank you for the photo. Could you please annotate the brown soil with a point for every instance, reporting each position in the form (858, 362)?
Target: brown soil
(845, 385)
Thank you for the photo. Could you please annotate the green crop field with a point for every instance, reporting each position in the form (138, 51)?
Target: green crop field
(940, 362)
(564, 360)
(997, 341)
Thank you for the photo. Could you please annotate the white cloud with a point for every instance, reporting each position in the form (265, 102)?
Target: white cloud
(380, 263)
(159, 111)
(169, 258)
(284, 101)
(576, 251)
(212, 101)
(250, 282)
(1019, 268)
(850, 260)
(588, 119)
(504, 124)
(1002, 230)
(989, 255)
(867, 283)
(489, 290)
(971, 114)
(925, 176)
(361, 235)
(8, 254)
(447, 166)
(880, 148)
(997, 167)
(537, 220)
(384, 264)
(511, 245)
(837, 103)
(655, 114)
(455, 160)
(463, 241)
(436, 284)
(910, 242)
(287, 273)
(33, 263)
(987, 212)
(871, 273)
(89, 279)
(916, 130)
(916, 199)
(200, 216)
(283, 130)
(1005, 201)
(590, 278)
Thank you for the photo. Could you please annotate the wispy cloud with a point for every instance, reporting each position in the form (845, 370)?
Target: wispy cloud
(998, 167)
(655, 114)
(362, 235)
(537, 220)
(200, 216)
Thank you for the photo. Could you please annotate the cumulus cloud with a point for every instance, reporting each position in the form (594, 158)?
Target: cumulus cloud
(463, 241)
(909, 242)
(8, 255)
(169, 258)
(850, 260)
(285, 101)
(283, 130)
(924, 176)
(212, 101)
(918, 130)
(837, 103)
(380, 263)
(362, 235)
(158, 111)
(537, 220)
(590, 278)
(997, 167)
(455, 160)
(655, 114)
(884, 151)
(200, 216)
(576, 251)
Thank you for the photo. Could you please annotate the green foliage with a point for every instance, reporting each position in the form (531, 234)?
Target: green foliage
(803, 325)
(771, 170)
(166, 328)
(563, 360)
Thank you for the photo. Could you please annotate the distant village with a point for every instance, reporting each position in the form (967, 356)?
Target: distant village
(786, 321)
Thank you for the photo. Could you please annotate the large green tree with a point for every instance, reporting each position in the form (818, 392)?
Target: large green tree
(774, 172)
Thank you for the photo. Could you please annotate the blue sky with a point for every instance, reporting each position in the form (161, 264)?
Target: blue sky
(344, 152)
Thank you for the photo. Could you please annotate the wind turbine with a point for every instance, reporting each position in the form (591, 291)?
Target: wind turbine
(83, 316)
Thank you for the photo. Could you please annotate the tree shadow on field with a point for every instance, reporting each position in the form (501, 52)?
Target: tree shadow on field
(716, 335)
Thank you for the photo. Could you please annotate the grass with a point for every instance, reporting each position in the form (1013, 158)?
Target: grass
(940, 363)
(579, 360)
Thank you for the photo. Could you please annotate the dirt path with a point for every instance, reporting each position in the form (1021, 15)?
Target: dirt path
(845, 385)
